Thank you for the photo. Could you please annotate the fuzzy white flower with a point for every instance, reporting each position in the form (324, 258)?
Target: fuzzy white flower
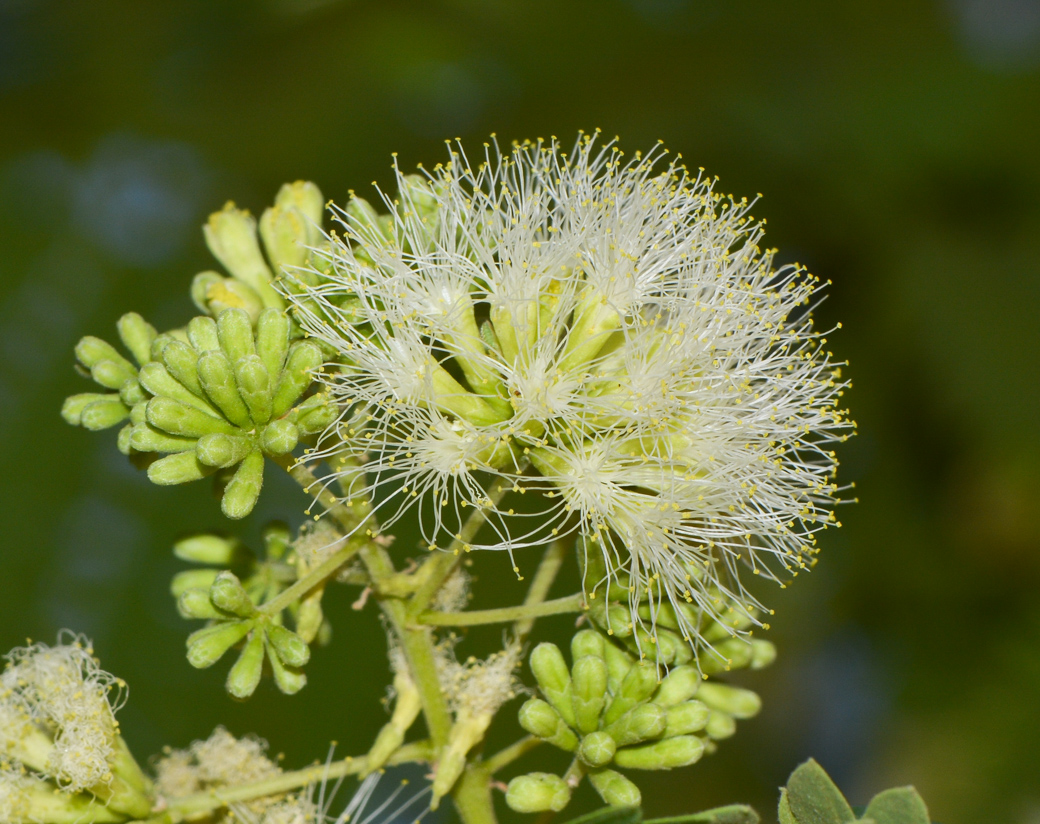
(602, 330)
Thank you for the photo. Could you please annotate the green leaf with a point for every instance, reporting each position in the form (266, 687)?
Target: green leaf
(783, 811)
(814, 798)
(730, 814)
(611, 815)
(901, 805)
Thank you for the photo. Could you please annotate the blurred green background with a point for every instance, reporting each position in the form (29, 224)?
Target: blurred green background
(897, 147)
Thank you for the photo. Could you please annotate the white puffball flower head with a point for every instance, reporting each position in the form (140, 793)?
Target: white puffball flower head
(605, 331)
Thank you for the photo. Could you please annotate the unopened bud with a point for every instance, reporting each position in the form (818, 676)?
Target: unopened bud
(272, 340)
(303, 360)
(222, 450)
(112, 374)
(288, 679)
(597, 748)
(289, 646)
(661, 755)
(179, 418)
(177, 469)
(137, 336)
(228, 594)
(739, 703)
(587, 642)
(731, 654)
(277, 538)
(684, 718)
(193, 579)
(206, 646)
(720, 725)
(619, 663)
(159, 382)
(202, 334)
(231, 237)
(103, 413)
(195, 603)
(615, 789)
(638, 724)
(218, 380)
(254, 385)
(679, 685)
(537, 792)
(209, 549)
(554, 679)
(588, 691)
(280, 437)
(314, 415)
(540, 719)
(181, 361)
(235, 331)
(91, 350)
(639, 684)
(763, 653)
(243, 489)
(146, 438)
(244, 676)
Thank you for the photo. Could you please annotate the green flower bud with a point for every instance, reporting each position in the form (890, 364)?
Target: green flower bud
(597, 748)
(154, 377)
(361, 213)
(228, 594)
(207, 646)
(638, 724)
(554, 680)
(618, 664)
(213, 294)
(146, 438)
(615, 789)
(210, 549)
(284, 232)
(254, 385)
(91, 351)
(587, 642)
(684, 718)
(720, 725)
(272, 340)
(195, 603)
(181, 361)
(280, 437)
(731, 654)
(537, 792)
(244, 676)
(111, 374)
(289, 680)
(739, 703)
(538, 718)
(235, 331)
(763, 653)
(309, 618)
(218, 381)
(679, 685)
(661, 755)
(231, 237)
(637, 687)
(200, 286)
(314, 415)
(72, 408)
(588, 691)
(177, 469)
(222, 450)
(244, 488)
(303, 361)
(101, 414)
(181, 419)
(193, 579)
(132, 393)
(289, 646)
(202, 334)
(123, 439)
(137, 336)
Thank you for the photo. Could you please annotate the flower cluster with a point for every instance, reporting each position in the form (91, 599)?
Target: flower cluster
(601, 330)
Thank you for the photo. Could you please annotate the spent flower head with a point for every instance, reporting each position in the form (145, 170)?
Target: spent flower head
(606, 331)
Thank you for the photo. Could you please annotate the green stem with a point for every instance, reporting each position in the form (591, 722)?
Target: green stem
(507, 756)
(524, 613)
(552, 560)
(311, 579)
(472, 796)
(191, 805)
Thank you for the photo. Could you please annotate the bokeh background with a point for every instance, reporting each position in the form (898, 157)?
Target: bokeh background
(897, 143)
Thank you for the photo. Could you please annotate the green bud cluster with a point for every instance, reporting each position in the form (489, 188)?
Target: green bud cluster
(232, 605)
(727, 646)
(811, 797)
(611, 710)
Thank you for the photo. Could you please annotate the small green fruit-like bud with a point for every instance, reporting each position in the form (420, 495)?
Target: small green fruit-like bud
(146, 438)
(218, 381)
(227, 293)
(207, 646)
(763, 653)
(222, 450)
(307, 198)
(72, 408)
(202, 334)
(137, 336)
(302, 362)
(90, 351)
(597, 748)
(309, 618)
(123, 439)
(181, 362)
(254, 385)
(132, 393)
(112, 375)
(285, 237)
(193, 579)
(679, 685)
(177, 469)
(244, 676)
(159, 382)
(586, 642)
(228, 594)
(637, 687)
(537, 792)
(280, 437)
(235, 331)
(362, 214)
(418, 193)
(554, 680)
(195, 603)
(102, 414)
(588, 691)
(181, 419)
(289, 680)
(638, 724)
(684, 718)
(731, 654)
(210, 549)
(244, 488)
(739, 703)
(538, 718)
(618, 664)
(289, 646)
(720, 725)
(231, 237)
(661, 755)
(615, 789)
(272, 340)
(314, 415)
(200, 286)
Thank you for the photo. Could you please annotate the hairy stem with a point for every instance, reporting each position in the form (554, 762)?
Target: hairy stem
(552, 560)
(507, 756)
(190, 805)
(523, 613)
